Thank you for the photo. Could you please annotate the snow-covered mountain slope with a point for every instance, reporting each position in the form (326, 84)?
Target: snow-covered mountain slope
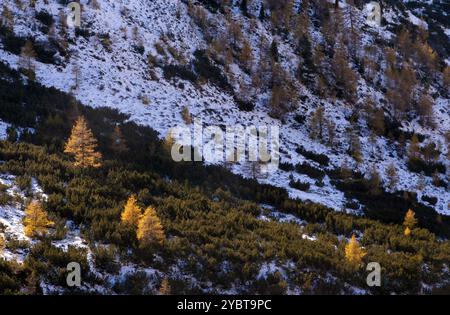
(11, 216)
(106, 63)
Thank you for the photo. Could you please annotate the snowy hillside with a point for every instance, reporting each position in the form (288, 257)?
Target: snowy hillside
(107, 65)
(363, 110)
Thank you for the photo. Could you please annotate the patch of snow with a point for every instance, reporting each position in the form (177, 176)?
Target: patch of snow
(3, 130)
(309, 238)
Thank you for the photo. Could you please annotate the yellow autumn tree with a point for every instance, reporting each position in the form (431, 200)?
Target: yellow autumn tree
(354, 252)
(165, 287)
(36, 220)
(410, 222)
(2, 244)
(407, 231)
(150, 230)
(169, 141)
(131, 212)
(83, 145)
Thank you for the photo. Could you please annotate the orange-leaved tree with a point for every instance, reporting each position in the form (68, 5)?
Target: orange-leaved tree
(354, 252)
(410, 222)
(131, 212)
(36, 220)
(83, 146)
(150, 231)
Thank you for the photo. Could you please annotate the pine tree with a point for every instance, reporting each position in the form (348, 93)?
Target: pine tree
(52, 32)
(287, 11)
(414, 148)
(352, 34)
(246, 56)
(377, 123)
(374, 182)
(150, 231)
(82, 145)
(410, 220)
(63, 23)
(244, 8)
(436, 179)
(427, 57)
(446, 77)
(331, 128)
(165, 287)
(392, 176)
(26, 61)
(401, 87)
(421, 182)
(391, 64)
(284, 94)
(404, 43)
(370, 62)
(345, 172)
(422, 32)
(318, 58)
(274, 51)
(76, 72)
(307, 71)
(346, 79)
(262, 13)
(235, 33)
(36, 220)
(355, 147)
(7, 19)
(131, 213)
(118, 143)
(354, 253)
(302, 23)
(317, 124)
(425, 110)
(431, 152)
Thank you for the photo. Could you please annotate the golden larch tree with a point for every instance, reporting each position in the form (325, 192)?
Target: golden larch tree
(165, 287)
(36, 220)
(354, 252)
(131, 212)
(150, 230)
(83, 145)
(2, 244)
(410, 221)
(407, 231)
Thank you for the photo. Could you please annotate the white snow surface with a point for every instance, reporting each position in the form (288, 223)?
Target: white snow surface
(3, 128)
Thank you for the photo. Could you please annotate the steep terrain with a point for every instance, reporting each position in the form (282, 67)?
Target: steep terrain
(106, 63)
(324, 75)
